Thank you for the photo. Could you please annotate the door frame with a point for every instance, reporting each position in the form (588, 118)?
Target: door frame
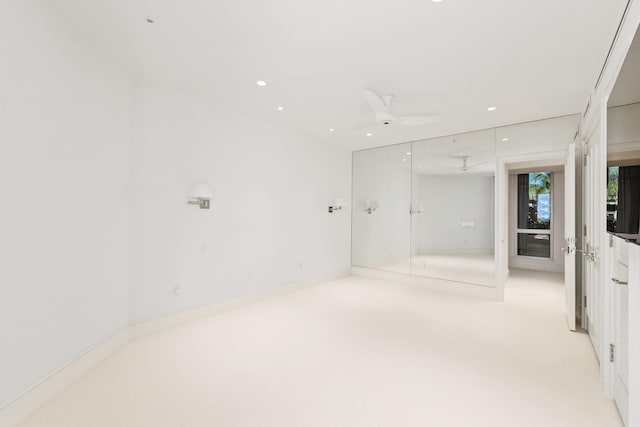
(595, 273)
(503, 166)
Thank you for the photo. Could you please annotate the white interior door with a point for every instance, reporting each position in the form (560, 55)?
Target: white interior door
(570, 236)
(594, 187)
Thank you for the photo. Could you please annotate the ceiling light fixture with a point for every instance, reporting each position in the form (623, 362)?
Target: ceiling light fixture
(436, 1)
(408, 153)
(332, 130)
(505, 139)
(280, 108)
(492, 109)
(261, 83)
(368, 134)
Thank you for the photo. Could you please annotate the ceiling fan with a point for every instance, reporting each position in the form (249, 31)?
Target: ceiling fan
(381, 106)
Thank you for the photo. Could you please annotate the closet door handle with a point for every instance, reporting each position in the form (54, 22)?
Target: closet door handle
(619, 282)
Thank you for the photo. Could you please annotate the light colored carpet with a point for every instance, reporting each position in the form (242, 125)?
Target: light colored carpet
(476, 269)
(354, 352)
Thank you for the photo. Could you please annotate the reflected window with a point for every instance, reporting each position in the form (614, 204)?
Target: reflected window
(534, 214)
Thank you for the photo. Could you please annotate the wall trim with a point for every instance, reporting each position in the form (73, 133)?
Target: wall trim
(27, 402)
(468, 251)
(542, 264)
(151, 326)
(18, 409)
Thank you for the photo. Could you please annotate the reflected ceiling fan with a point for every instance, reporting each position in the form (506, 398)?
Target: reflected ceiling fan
(466, 166)
(381, 106)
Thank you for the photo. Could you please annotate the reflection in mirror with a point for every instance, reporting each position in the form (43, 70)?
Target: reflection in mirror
(452, 212)
(623, 147)
(534, 196)
(541, 136)
(381, 200)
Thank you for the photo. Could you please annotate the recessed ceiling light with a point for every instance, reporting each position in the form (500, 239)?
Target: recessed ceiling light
(408, 153)
(369, 134)
(280, 108)
(332, 130)
(505, 139)
(261, 83)
(436, 1)
(492, 109)
(150, 21)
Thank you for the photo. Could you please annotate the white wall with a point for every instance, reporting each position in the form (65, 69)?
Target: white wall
(268, 224)
(449, 200)
(65, 137)
(623, 125)
(623, 135)
(95, 232)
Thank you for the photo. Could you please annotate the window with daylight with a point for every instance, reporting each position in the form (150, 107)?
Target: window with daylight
(534, 214)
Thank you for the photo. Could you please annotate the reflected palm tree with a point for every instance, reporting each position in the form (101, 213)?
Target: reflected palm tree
(540, 183)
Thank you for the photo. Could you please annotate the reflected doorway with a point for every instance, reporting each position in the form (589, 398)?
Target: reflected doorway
(534, 212)
(537, 220)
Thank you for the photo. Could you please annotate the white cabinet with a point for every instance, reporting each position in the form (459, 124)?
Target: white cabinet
(624, 267)
(634, 335)
(619, 346)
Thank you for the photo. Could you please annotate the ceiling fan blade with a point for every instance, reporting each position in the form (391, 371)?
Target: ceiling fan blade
(416, 120)
(375, 102)
(476, 165)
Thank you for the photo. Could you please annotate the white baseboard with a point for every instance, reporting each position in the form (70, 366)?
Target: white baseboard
(536, 264)
(26, 403)
(475, 251)
(22, 406)
(150, 326)
(462, 288)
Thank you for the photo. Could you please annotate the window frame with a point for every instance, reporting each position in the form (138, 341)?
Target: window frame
(549, 231)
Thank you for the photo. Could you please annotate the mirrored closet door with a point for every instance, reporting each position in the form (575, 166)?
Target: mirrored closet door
(381, 228)
(427, 208)
(452, 216)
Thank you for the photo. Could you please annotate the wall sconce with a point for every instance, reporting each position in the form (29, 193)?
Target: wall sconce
(337, 205)
(416, 211)
(200, 194)
(371, 207)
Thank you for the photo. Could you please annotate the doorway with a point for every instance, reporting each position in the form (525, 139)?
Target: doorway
(536, 218)
(538, 208)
